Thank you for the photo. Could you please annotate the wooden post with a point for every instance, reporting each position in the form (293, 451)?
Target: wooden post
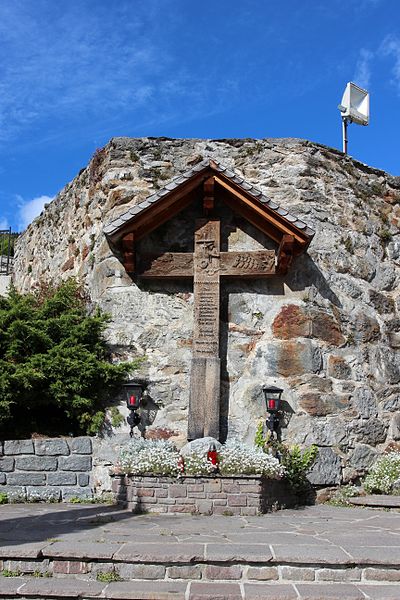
(205, 373)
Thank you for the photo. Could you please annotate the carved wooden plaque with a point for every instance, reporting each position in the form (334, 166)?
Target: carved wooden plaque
(170, 264)
(206, 289)
(257, 263)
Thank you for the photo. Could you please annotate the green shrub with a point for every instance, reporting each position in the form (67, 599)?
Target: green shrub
(3, 498)
(383, 474)
(296, 460)
(54, 370)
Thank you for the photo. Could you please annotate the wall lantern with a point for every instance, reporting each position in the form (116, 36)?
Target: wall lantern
(272, 396)
(135, 395)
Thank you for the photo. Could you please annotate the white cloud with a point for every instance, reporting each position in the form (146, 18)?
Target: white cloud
(30, 209)
(391, 47)
(4, 223)
(362, 75)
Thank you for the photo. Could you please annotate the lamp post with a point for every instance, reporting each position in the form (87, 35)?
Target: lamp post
(272, 395)
(134, 395)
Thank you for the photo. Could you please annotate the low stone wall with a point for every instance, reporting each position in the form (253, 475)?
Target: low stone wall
(51, 469)
(241, 495)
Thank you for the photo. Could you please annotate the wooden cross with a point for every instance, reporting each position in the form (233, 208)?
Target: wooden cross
(206, 265)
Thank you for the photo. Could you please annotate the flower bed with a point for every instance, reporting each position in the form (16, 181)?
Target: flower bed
(222, 495)
(152, 476)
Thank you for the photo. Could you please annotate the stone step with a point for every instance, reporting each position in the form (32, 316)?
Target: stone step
(379, 500)
(73, 589)
(183, 563)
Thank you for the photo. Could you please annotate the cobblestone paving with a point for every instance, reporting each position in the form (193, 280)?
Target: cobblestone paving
(315, 553)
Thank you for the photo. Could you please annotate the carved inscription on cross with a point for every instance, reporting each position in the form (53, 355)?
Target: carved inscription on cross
(207, 265)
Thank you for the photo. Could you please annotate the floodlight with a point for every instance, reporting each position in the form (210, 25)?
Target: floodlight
(354, 108)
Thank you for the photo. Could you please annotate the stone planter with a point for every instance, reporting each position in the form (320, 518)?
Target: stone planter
(222, 495)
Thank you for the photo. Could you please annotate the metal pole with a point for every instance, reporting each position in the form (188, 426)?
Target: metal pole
(344, 134)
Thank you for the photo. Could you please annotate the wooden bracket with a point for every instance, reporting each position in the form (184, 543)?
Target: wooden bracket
(128, 249)
(285, 254)
(208, 196)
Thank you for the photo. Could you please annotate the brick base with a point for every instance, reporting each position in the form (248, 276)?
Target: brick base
(240, 495)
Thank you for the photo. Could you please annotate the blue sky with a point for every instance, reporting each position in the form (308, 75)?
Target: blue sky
(75, 73)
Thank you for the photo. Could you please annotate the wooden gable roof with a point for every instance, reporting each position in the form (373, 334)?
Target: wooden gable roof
(239, 195)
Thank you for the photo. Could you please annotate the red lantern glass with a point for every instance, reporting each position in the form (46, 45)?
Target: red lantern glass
(272, 398)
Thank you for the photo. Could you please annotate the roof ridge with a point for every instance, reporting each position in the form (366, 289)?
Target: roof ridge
(215, 165)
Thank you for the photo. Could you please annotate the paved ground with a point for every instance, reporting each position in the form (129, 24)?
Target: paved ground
(303, 545)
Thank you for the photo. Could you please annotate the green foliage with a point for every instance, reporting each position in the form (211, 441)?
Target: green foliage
(3, 498)
(42, 574)
(54, 370)
(108, 576)
(7, 243)
(383, 475)
(296, 460)
(8, 573)
(342, 494)
(385, 235)
(116, 418)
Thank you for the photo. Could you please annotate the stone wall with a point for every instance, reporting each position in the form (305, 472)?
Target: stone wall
(245, 495)
(51, 470)
(328, 333)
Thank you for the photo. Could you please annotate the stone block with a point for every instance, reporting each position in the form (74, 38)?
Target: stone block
(177, 490)
(298, 358)
(195, 487)
(237, 500)
(7, 464)
(83, 479)
(148, 571)
(18, 447)
(204, 507)
(327, 468)
(76, 492)
(36, 463)
(185, 572)
(249, 511)
(61, 479)
(75, 463)
(230, 488)
(15, 493)
(297, 573)
(2, 478)
(53, 447)
(371, 574)
(216, 572)
(165, 590)
(291, 322)
(371, 431)
(262, 573)
(181, 508)
(145, 492)
(353, 574)
(161, 493)
(80, 445)
(214, 486)
(338, 368)
(63, 587)
(362, 457)
(69, 567)
(43, 494)
(26, 479)
(200, 590)
(329, 591)
(325, 327)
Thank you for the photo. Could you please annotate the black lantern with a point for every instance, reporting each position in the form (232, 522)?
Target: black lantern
(134, 394)
(272, 396)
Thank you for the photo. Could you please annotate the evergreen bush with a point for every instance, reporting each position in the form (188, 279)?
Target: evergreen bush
(55, 373)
